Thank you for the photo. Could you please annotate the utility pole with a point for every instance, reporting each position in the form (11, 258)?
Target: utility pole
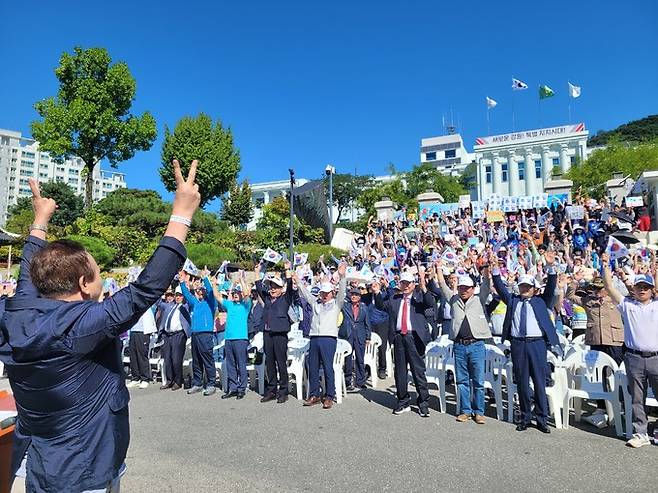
(291, 257)
(330, 170)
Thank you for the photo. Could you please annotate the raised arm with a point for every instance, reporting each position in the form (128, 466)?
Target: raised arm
(342, 285)
(551, 283)
(614, 293)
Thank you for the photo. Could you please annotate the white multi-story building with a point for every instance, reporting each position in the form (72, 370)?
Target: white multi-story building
(21, 159)
(520, 163)
(446, 152)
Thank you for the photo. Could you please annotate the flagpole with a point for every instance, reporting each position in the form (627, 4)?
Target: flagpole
(541, 119)
(569, 107)
(488, 131)
(513, 98)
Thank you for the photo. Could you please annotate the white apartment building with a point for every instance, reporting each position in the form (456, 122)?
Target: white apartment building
(21, 159)
(520, 163)
(446, 152)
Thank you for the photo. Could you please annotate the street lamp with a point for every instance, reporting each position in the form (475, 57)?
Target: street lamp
(329, 171)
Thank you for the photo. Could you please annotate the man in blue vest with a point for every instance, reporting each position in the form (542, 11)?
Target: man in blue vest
(531, 332)
(62, 351)
(355, 329)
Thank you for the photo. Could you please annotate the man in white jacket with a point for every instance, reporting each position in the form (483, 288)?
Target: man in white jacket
(324, 332)
(138, 345)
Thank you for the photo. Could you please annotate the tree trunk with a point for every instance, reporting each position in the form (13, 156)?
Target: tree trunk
(89, 185)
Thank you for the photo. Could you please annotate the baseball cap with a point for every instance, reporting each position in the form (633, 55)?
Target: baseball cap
(326, 287)
(597, 283)
(465, 281)
(355, 291)
(276, 280)
(236, 288)
(644, 278)
(179, 290)
(529, 280)
(407, 276)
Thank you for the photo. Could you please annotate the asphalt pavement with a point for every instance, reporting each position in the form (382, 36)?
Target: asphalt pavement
(205, 444)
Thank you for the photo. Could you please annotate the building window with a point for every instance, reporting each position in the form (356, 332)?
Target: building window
(59, 179)
(73, 171)
(504, 167)
(430, 156)
(29, 154)
(27, 164)
(572, 159)
(487, 172)
(521, 171)
(73, 181)
(61, 169)
(43, 175)
(450, 153)
(538, 169)
(556, 161)
(27, 173)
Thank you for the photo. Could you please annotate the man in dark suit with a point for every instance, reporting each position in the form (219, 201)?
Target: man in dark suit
(531, 331)
(406, 313)
(355, 329)
(276, 303)
(62, 351)
(174, 328)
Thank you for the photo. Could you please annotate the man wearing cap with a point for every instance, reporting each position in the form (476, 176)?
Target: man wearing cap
(639, 313)
(174, 328)
(355, 329)
(276, 303)
(530, 330)
(468, 332)
(406, 312)
(323, 334)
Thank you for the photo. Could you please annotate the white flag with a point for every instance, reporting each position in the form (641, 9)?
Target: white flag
(574, 91)
(518, 85)
(272, 256)
(190, 268)
(616, 249)
(491, 103)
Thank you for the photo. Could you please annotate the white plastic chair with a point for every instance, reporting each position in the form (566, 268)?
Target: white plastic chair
(438, 361)
(557, 393)
(585, 376)
(257, 370)
(156, 362)
(494, 369)
(580, 340)
(295, 334)
(343, 349)
(297, 349)
(370, 357)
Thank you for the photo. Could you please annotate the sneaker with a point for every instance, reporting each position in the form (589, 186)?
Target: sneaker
(132, 384)
(240, 395)
(144, 385)
(424, 412)
(639, 440)
(479, 419)
(195, 390)
(463, 418)
(175, 387)
(402, 409)
(209, 391)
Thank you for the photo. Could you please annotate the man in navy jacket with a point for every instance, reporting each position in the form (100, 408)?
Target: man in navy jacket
(406, 314)
(174, 325)
(531, 332)
(355, 329)
(62, 351)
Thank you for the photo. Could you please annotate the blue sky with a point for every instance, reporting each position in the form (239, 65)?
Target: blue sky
(356, 84)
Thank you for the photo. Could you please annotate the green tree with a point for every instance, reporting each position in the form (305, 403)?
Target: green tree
(141, 209)
(212, 145)
(207, 254)
(425, 177)
(97, 248)
(600, 167)
(238, 208)
(90, 117)
(394, 190)
(346, 189)
(273, 227)
(636, 131)
(70, 205)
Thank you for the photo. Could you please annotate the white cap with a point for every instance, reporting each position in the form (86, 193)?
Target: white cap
(528, 279)
(407, 276)
(326, 287)
(465, 281)
(178, 290)
(276, 280)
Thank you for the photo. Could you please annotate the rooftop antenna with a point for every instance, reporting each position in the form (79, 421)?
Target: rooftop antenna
(450, 129)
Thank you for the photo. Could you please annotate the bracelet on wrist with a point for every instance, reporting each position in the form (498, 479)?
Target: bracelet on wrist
(180, 219)
(39, 227)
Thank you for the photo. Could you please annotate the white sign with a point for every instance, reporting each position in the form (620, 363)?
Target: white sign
(634, 202)
(525, 202)
(539, 201)
(510, 204)
(464, 201)
(530, 135)
(576, 211)
(495, 202)
(343, 239)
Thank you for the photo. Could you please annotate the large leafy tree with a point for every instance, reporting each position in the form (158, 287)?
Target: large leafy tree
(591, 176)
(346, 190)
(425, 177)
(70, 205)
(141, 209)
(238, 208)
(90, 116)
(209, 143)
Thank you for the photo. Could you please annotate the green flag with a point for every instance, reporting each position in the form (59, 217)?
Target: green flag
(545, 92)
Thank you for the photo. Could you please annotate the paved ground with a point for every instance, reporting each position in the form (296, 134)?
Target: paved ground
(204, 444)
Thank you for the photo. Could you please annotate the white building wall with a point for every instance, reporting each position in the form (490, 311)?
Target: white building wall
(20, 159)
(446, 152)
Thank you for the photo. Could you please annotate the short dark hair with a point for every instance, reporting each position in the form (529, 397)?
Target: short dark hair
(56, 269)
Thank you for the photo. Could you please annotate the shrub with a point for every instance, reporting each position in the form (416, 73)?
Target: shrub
(208, 254)
(314, 251)
(97, 248)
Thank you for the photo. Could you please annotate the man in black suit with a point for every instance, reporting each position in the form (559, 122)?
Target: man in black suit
(406, 311)
(356, 330)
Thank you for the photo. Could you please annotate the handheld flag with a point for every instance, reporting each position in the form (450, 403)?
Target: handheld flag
(574, 91)
(491, 103)
(301, 258)
(545, 92)
(518, 85)
(616, 249)
(272, 256)
(190, 268)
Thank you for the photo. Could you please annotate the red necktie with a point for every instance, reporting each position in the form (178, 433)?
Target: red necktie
(405, 314)
(355, 311)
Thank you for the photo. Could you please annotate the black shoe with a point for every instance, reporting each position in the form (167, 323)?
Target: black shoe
(268, 398)
(424, 412)
(363, 387)
(402, 409)
(521, 427)
(350, 388)
(240, 395)
(228, 395)
(282, 398)
(543, 429)
(381, 375)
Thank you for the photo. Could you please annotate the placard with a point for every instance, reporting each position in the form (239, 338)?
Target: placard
(495, 201)
(634, 202)
(495, 216)
(478, 209)
(576, 211)
(526, 202)
(510, 204)
(557, 199)
(539, 201)
(464, 201)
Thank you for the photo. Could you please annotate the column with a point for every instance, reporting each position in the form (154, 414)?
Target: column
(513, 174)
(480, 181)
(266, 197)
(565, 160)
(529, 172)
(546, 164)
(496, 174)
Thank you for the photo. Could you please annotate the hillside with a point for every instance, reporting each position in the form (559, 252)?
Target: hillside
(641, 130)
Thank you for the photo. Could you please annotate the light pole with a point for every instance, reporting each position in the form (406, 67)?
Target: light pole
(292, 186)
(330, 170)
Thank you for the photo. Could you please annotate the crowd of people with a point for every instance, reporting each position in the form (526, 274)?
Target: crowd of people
(522, 278)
